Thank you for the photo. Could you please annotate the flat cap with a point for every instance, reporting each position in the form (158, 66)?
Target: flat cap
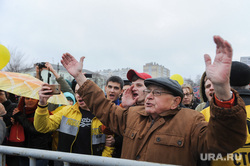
(166, 83)
(240, 74)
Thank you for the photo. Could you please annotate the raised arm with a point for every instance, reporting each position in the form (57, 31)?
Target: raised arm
(219, 71)
(60, 80)
(50, 68)
(74, 67)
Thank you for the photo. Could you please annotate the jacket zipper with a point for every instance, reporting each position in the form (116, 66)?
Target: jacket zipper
(75, 137)
(152, 123)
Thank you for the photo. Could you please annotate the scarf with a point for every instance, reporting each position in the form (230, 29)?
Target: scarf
(28, 111)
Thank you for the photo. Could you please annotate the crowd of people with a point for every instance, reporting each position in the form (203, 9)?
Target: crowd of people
(141, 118)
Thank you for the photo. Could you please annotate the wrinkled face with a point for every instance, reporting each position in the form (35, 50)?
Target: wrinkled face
(113, 90)
(79, 99)
(29, 102)
(188, 96)
(209, 89)
(156, 104)
(138, 90)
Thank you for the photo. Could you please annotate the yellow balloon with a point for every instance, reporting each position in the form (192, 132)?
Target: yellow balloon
(4, 56)
(178, 78)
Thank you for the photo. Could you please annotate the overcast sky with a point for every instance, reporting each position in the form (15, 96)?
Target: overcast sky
(115, 34)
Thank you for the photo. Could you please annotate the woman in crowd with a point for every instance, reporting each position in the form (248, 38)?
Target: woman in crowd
(24, 114)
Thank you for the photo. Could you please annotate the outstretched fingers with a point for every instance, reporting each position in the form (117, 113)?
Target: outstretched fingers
(228, 49)
(66, 58)
(128, 91)
(208, 60)
(82, 59)
(222, 46)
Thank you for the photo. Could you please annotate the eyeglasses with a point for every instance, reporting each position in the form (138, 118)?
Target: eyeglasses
(155, 92)
(187, 94)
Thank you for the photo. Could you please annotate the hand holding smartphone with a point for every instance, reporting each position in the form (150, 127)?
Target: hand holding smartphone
(56, 89)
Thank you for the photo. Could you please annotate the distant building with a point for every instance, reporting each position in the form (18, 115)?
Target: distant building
(156, 70)
(245, 60)
(118, 72)
(99, 79)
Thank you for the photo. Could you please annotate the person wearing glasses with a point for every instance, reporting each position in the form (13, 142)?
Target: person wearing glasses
(162, 132)
(189, 100)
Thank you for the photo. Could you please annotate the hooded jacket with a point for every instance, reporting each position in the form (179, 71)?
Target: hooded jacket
(71, 96)
(177, 137)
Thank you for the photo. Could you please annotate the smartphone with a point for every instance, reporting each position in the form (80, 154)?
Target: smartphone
(56, 89)
(88, 75)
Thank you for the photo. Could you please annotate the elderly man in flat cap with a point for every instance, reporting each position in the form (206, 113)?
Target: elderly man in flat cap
(239, 80)
(162, 132)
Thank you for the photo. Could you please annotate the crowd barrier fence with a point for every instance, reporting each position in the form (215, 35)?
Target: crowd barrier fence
(68, 158)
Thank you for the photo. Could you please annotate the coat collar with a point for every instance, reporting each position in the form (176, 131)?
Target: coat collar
(142, 112)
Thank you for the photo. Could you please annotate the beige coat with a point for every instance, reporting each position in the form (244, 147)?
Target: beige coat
(177, 137)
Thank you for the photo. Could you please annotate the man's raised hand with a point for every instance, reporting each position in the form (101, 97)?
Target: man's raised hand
(219, 71)
(74, 67)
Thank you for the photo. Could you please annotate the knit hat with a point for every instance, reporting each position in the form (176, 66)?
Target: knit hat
(240, 74)
(166, 83)
(131, 73)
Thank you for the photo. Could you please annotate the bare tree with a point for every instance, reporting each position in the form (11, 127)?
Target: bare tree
(17, 62)
(192, 82)
(189, 81)
(198, 79)
(99, 79)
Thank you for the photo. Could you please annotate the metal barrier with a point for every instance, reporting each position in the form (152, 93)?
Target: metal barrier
(67, 158)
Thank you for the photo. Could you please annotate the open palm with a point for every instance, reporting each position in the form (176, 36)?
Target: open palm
(72, 65)
(219, 71)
